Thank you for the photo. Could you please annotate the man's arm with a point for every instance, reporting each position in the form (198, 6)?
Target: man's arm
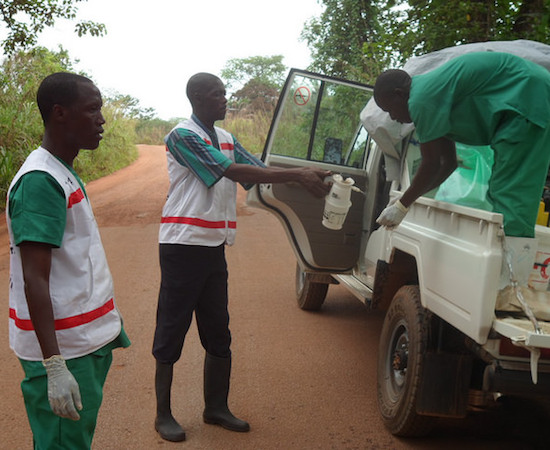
(36, 261)
(63, 390)
(438, 162)
(310, 178)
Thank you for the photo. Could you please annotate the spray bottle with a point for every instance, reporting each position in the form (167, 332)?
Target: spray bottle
(337, 202)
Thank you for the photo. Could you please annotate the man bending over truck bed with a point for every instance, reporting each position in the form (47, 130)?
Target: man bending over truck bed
(480, 98)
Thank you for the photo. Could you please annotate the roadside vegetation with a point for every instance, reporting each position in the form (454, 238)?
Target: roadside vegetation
(250, 130)
(357, 40)
(21, 126)
(127, 123)
(350, 39)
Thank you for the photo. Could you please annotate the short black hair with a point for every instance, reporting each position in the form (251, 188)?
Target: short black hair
(60, 88)
(388, 81)
(198, 82)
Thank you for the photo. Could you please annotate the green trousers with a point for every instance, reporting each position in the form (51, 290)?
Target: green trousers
(522, 157)
(51, 432)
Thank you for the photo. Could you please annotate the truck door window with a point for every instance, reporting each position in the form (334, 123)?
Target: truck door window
(359, 149)
(295, 123)
(319, 121)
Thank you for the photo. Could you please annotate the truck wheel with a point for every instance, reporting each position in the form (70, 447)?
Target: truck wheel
(403, 341)
(310, 295)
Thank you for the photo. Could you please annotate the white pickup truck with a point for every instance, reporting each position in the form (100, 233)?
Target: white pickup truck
(440, 276)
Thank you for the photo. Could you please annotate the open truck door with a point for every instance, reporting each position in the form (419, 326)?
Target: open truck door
(316, 123)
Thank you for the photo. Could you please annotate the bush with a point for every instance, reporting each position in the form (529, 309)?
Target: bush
(20, 123)
(250, 129)
(21, 126)
(116, 150)
(152, 131)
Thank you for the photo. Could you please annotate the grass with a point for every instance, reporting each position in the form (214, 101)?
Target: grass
(250, 129)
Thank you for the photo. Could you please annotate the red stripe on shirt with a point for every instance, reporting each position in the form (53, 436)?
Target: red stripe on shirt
(199, 222)
(67, 322)
(75, 197)
(223, 145)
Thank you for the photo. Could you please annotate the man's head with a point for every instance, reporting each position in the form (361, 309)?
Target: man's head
(70, 106)
(206, 92)
(391, 94)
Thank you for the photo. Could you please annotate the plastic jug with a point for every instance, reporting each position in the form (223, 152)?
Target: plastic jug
(337, 202)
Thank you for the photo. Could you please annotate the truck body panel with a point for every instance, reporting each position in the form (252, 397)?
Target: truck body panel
(459, 257)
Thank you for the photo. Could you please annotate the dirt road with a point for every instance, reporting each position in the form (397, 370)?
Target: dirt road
(302, 380)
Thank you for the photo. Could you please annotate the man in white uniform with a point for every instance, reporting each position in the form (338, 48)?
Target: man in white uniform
(198, 220)
(63, 323)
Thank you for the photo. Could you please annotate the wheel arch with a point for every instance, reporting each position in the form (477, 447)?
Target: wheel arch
(390, 277)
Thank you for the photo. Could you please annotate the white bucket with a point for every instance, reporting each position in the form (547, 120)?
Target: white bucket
(337, 202)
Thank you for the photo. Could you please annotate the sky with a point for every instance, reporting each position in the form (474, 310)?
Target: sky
(153, 47)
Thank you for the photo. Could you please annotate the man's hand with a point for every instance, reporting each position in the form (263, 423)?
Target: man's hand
(392, 215)
(63, 390)
(313, 180)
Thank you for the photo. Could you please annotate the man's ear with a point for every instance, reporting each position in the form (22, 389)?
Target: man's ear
(401, 93)
(197, 97)
(59, 113)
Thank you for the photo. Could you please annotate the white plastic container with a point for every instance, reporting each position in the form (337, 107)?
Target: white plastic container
(337, 202)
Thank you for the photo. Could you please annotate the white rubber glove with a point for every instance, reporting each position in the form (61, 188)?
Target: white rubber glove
(63, 390)
(392, 215)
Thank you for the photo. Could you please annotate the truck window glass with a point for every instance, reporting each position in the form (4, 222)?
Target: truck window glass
(296, 120)
(319, 123)
(360, 148)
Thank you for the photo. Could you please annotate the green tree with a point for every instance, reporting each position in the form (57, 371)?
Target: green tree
(20, 123)
(21, 126)
(26, 19)
(255, 96)
(358, 39)
(130, 108)
(429, 25)
(20, 76)
(256, 81)
(268, 70)
(348, 39)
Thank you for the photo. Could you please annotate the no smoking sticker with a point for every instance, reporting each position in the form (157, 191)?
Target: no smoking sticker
(302, 95)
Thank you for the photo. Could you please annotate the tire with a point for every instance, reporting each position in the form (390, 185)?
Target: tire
(309, 295)
(403, 341)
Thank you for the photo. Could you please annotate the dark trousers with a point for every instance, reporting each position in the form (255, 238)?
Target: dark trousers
(193, 279)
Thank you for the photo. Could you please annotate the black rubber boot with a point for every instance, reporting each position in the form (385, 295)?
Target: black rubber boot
(165, 423)
(217, 372)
